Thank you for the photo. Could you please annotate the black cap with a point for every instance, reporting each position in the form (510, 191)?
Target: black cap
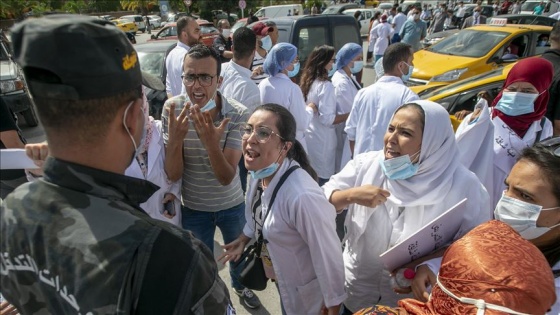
(91, 57)
(152, 81)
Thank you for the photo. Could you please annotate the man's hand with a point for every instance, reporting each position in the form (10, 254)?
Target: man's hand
(178, 126)
(234, 250)
(168, 197)
(208, 134)
(257, 71)
(8, 309)
(460, 115)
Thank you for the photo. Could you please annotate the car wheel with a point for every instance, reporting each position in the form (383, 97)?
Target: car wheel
(30, 117)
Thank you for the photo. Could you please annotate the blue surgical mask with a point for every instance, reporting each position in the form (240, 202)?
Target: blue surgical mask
(521, 216)
(358, 65)
(267, 171)
(400, 167)
(210, 104)
(293, 73)
(332, 71)
(542, 43)
(517, 103)
(266, 43)
(406, 77)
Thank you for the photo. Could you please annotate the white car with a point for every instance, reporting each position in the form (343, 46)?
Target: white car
(364, 18)
(155, 21)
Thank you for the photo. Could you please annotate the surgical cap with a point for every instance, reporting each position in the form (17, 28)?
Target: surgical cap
(279, 58)
(346, 54)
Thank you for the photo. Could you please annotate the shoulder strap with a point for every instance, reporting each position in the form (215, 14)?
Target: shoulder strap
(543, 121)
(280, 182)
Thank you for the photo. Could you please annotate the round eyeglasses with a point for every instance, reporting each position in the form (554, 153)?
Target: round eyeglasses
(262, 133)
(203, 79)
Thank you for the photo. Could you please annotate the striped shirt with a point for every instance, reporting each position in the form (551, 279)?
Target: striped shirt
(201, 190)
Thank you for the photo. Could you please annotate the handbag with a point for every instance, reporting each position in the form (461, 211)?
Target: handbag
(253, 276)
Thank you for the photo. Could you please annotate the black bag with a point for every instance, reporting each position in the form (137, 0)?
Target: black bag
(253, 276)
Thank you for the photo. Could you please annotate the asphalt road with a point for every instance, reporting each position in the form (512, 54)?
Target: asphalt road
(269, 297)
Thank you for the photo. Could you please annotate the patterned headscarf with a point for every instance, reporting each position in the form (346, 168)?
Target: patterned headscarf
(495, 264)
(538, 72)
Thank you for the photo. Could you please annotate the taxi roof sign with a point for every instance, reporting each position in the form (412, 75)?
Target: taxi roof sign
(498, 22)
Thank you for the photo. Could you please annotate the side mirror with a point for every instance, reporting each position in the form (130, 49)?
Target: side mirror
(509, 58)
(153, 37)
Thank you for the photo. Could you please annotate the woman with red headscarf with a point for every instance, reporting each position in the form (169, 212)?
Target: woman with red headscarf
(490, 140)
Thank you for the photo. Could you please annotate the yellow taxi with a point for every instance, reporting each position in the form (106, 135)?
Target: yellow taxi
(462, 95)
(125, 25)
(475, 50)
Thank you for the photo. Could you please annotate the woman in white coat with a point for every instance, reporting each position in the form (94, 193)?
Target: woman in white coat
(281, 64)
(302, 252)
(391, 194)
(148, 165)
(348, 61)
(317, 89)
(490, 141)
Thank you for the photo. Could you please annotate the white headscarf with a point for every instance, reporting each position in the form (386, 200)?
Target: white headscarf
(439, 168)
(437, 163)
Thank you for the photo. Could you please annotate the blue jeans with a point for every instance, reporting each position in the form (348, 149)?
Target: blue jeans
(396, 38)
(203, 225)
(377, 57)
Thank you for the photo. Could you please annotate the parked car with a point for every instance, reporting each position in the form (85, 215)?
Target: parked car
(151, 57)
(487, 10)
(207, 32)
(366, 15)
(526, 19)
(242, 23)
(462, 95)
(475, 50)
(385, 6)
(339, 8)
(13, 88)
(126, 26)
(407, 5)
(550, 8)
(307, 32)
(137, 19)
(276, 11)
(155, 21)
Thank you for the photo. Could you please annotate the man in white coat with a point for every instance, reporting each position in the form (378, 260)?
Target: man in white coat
(374, 105)
(380, 35)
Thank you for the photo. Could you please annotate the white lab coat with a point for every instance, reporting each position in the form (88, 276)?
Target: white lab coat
(372, 111)
(380, 36)
(302, 242)
(345, 89)
(321, 135)
(490, 149)
(156, 174)
(280, 90)
(238, 85)
(372, 231)
(440, 182)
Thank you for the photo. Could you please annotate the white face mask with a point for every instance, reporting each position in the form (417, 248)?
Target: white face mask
(480, 304)
(226, 32)
(521, 216)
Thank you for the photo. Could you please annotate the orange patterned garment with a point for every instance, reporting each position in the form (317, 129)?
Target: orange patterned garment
(492, 263)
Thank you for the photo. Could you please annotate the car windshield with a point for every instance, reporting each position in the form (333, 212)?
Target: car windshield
(529, 6)
(469, 43)
(486, 75)
(3, 53)
(207, 29)
(151, 62)
(331, 10)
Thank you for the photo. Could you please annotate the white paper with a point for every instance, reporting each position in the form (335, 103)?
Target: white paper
(434, 235)
(15, 159)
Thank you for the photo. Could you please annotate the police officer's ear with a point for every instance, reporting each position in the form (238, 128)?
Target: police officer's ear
(134, 116)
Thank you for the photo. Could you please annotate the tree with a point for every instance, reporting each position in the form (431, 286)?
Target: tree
(76, 6)
(143, 6)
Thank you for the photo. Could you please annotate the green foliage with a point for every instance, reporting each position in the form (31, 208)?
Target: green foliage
(77, 6)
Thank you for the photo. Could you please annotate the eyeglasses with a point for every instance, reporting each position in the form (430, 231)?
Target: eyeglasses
(203, 79)
(552, 145)
(262, 133)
